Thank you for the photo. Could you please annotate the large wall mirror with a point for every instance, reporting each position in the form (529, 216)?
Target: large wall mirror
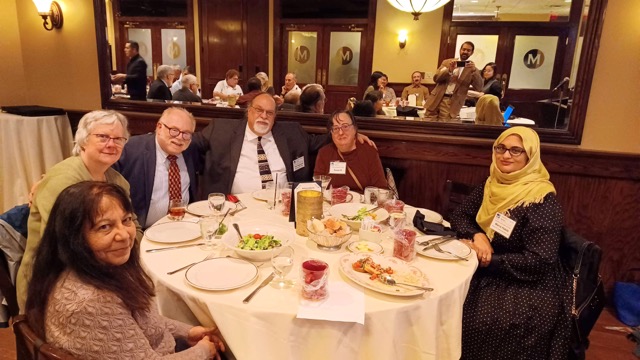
(581, 21)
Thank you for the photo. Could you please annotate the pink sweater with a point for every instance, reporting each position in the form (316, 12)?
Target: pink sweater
(91, 323)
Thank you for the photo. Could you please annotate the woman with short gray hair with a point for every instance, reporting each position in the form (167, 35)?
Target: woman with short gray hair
(99, 140)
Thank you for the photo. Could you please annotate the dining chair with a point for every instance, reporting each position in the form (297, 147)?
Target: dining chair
(454, 195)
(31, 347)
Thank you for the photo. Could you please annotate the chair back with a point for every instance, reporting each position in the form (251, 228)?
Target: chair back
(391, 182)
(454, 195)
(30, 347)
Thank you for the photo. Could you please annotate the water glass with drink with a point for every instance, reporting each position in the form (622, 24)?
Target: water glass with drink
(285, 197)
(282, 262)
(394, 205)
(404, 244)
(211, 230)
(315, 279)
(397, 219)
(383, 196)
(340, 195)
(216, 202)
(177, 209)
(269, 191)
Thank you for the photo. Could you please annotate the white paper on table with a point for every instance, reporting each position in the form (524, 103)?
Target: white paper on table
(412, 99)
(344, 303)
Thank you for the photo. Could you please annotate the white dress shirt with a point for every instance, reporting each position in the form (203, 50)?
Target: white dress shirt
(159, 204)
(224, 88)
(247, 177)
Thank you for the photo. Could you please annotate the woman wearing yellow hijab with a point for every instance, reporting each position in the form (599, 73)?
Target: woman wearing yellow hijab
(518, 301)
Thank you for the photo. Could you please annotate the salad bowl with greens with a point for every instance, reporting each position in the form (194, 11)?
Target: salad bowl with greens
(258, 240)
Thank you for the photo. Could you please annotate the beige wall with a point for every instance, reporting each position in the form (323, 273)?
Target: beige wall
(613, 119)
(60, 67)
(423, 42)
(13, 90)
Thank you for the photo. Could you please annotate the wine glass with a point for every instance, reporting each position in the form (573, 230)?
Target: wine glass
(282, 262)
(210, 229)
(216, 202)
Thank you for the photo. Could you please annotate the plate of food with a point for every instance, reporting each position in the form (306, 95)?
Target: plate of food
(201, 208)
(258, 240)
(173, 232)
(353, 214)
(237, 273)
(366, 269)
(453, 246)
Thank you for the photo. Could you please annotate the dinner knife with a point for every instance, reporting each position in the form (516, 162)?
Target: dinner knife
(437, 243)
(174, 247)
(263, 284)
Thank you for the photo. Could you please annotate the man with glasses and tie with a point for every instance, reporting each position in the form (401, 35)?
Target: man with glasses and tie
(161, 166)
(242, 154)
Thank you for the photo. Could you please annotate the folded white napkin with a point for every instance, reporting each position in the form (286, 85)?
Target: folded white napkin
(412, 99)
(344, 303)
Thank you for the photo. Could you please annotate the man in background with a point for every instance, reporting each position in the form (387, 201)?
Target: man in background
(254, 86)
(148, 162)
(136, 76)
(453, 79)
(159, 88)
(421, 92)
(189, 90)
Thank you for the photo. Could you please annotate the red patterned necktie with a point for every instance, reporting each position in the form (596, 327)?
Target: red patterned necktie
(263, 163)
(175, 191)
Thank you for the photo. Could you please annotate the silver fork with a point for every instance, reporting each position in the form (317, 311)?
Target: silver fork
(210, 256)
(440, 250)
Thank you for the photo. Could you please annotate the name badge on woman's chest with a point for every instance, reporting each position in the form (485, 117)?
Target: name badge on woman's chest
(338, 167)
(503, 225)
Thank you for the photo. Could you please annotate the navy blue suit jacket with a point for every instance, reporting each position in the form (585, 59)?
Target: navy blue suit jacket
(138, 165)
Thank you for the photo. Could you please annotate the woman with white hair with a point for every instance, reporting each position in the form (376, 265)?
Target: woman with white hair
(99, 140)
(266, 87)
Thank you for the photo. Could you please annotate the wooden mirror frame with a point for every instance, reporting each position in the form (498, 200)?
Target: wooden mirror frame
(573, 134)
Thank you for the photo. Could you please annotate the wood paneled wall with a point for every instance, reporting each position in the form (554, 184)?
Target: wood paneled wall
(599, 191)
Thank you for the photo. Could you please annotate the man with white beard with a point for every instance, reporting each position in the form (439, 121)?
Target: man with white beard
(231, 164)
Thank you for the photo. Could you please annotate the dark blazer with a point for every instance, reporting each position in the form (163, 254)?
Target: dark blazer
(158, 90)
(136, 79)
(186, 95)
(138, 165)
(223, 139)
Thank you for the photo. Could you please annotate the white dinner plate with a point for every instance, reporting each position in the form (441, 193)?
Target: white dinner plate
(201, 208)
(221, 273)
(173, 232)
(365, 247)
(454, 246)
(402, 272)
(429, 215)
(263, 194)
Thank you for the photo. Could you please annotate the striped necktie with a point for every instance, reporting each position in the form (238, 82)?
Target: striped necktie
(175, 188)
(263, 163)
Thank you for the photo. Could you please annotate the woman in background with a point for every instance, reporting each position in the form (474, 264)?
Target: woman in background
(362, 160)
(491, 82)
(89, 294)
(518, 304)
(379, 82)
(266, 87)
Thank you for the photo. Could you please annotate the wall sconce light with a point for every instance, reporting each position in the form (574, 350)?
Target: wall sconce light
(49, 10)
(402, 39)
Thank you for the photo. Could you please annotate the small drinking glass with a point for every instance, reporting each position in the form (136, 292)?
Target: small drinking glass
(397, 220)
(269, 191)
(216, 202)
(340, 195)
(177, 209)
(404, 244)
(211, 231)
(383, 196)
(285, 198)
(282, 262)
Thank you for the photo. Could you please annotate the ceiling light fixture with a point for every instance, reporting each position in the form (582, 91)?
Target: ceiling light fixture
(417, 7)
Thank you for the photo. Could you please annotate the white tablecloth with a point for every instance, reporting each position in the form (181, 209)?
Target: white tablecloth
(424, 327)
(29, 146)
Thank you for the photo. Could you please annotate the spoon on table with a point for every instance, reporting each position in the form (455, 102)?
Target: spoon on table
(235, 226)
(387, 279)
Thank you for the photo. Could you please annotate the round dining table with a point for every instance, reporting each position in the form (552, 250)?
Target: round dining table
(426, 326)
